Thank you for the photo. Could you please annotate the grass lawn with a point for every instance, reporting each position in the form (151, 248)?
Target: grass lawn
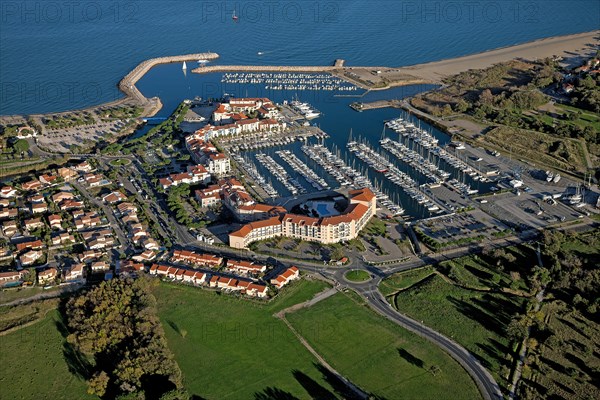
(8, 295)
(119, 161)
(357, 275)
(232, 348)
(403, 280)
(379, 356)
(32, 364)
(477, 320)
(587, 118)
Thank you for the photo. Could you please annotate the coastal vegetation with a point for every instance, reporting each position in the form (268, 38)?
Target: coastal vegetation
(509, 300)
(518, 103)
(560, 360)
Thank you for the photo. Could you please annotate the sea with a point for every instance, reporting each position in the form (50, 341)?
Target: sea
(57, 56)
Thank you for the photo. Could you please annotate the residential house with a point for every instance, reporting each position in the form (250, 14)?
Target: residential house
(10, 277)
(73, 273)
(8, 192)
(67, 174)
(55, 221)
(47, 276)
(30, 257)
(32, 185)
(285, 277)
(33, 223)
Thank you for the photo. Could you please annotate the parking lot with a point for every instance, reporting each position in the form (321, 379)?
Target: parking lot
(461, 226)
(527, 210)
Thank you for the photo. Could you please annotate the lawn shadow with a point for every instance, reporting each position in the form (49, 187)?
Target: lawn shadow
(574, 327)
(563, 387)
(315, 391)
(417, 362)
(484, 276)
(173, 325)
(78, 364)
(273, 393)
(339, 386)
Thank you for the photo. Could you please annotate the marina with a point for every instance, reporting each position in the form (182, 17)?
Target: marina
(251, 169)
(380, 164)
(347, 176)
(311, 177)
(292, 185)
(289, 81)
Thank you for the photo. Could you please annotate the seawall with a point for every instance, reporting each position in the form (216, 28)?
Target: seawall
(127, 84)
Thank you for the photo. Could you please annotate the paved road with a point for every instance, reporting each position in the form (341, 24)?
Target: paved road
(486, 383)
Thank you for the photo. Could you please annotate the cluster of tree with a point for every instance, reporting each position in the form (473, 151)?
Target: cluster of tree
(62, 122)
(586, 93)
(575, 279)
(116, 324)
(175, 200)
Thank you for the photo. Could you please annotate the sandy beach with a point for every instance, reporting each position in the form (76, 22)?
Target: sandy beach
(562, 46)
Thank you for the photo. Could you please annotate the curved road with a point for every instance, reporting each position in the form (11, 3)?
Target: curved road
(484, 380)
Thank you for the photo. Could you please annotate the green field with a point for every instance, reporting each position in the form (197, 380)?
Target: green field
(357, 275)
(231, 348)
(33, 366)
(403, 280)
(379, 356)
(475, 319)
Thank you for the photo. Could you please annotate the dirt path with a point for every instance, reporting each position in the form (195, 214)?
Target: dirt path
(317, 298)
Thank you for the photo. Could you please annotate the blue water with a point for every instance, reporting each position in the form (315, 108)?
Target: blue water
(337, 119)
(56, 56)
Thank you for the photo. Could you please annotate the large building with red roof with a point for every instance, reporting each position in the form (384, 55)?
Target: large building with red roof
(333, 229)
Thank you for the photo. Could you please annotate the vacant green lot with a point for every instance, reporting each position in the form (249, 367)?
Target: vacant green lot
(403, 280)
(379, 356)
(230, 348)
(32, 364)
(475, 319)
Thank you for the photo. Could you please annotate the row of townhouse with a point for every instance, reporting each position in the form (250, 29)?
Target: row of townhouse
(196, 259)
(333, 229)
(194, 174)
(216, 281)
(235, 109)
(285, 277)
(243, 126)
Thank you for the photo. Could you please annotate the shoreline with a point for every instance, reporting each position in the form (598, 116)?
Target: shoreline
(561, 46)
(573, 45)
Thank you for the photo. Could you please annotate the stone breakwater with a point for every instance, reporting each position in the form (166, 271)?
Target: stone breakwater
(127, 84)
(264, 68)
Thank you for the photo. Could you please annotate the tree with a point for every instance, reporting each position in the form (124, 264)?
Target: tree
(98, 383)
(486, 97)
(516, 329)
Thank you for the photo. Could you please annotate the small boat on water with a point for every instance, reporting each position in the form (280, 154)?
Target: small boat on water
(234, 17)
(184, 66)
(260, 53)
